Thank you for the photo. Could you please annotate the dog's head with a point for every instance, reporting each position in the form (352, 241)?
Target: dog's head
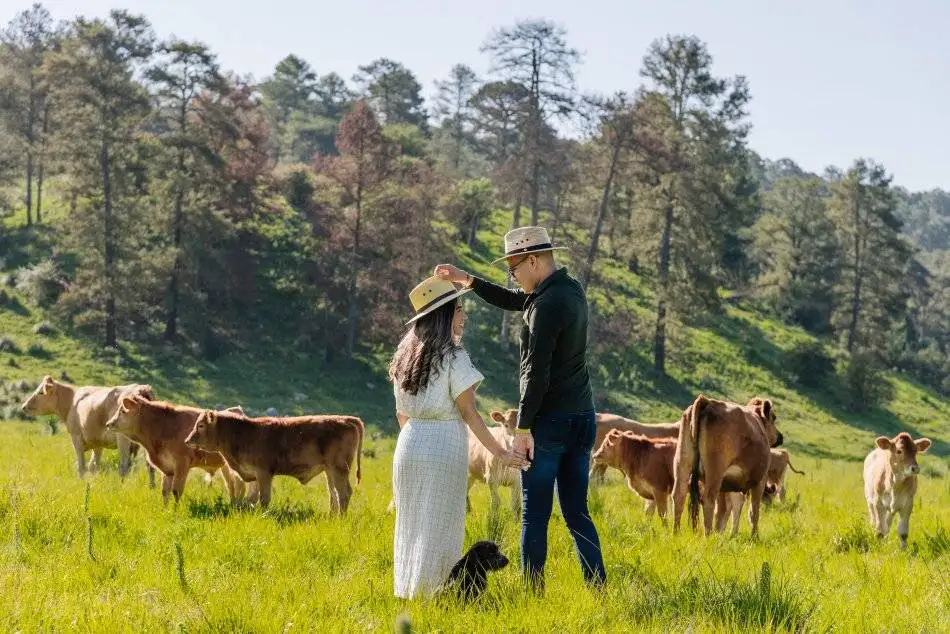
(471, 571)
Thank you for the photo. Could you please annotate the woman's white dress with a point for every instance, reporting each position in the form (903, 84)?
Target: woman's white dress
(430, 475)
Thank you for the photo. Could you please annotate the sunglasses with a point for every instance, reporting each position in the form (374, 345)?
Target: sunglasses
(512, 269)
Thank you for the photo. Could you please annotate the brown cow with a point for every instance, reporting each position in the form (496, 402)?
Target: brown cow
(85, 411)
(778, 469)
(725, 445)
(161, 428)
(301, 447)
(484, 467)
(890, 482)
(647, 464)
(608, 422)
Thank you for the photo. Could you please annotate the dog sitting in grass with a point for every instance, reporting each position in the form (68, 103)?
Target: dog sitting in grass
(469, 577)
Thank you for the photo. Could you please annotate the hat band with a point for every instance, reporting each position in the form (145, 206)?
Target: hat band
(436, 300)
(536, 247)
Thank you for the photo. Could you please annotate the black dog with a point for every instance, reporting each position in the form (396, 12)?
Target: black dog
(470, 575)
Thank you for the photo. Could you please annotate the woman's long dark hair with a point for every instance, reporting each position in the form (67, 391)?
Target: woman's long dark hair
(423, 349)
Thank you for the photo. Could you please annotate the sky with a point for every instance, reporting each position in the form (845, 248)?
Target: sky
(831, 80)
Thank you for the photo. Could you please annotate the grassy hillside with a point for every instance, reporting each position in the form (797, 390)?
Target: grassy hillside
(292, 568)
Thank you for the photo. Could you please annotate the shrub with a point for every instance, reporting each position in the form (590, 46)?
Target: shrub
(865, 382)
(43, 329)
(811, 364)
(8, 345)
(42, 284)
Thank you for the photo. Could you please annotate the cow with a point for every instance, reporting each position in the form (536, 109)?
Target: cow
(84, 411)
(647, 464)
(890, 482)
(301, 447)
(608, 422)
(778, 469)
(161, 428)
(484, 467)
(727, 447)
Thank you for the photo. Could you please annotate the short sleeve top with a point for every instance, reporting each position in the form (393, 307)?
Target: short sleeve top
(437, 400)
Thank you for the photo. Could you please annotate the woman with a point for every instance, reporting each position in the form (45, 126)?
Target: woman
(434, 383)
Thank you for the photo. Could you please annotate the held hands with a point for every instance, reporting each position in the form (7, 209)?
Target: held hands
(453, 274)
(524, 445)
(513, 460)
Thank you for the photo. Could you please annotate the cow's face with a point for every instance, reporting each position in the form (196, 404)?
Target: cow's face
(509, 420)
(43, 400)
(765, 412)
(203, 434)
(126, 417)
(902, 452)
(609, 450)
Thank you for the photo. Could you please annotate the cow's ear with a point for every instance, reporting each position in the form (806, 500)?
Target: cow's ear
(128, 404)
(497, 416)
(46, 384)
(211, 417)
(146, 392)
(923, 444)
(767, 409)
(883, 442)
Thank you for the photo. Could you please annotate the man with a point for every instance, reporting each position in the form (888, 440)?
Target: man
(556, 424)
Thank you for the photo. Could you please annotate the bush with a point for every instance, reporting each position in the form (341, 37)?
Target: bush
(8, 345)
(42, 284)
(38, 351)
(44, 329)
(865, 382)
(8, 279)
(811, 364)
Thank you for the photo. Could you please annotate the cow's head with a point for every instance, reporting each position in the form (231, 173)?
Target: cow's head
(902, 452)
(43, 400)
(509, 420)
(609, 450)
(765, 412)
(203, 434)
(126, 417)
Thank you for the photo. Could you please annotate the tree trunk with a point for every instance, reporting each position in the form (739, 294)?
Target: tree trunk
(351, 312)
(473, 230)
(174, 293)
(28, 198)
(858, 279)
(535, 191)
(42, 163)
(659, 340)
(108, 234)
(601, 213)
(516, 222)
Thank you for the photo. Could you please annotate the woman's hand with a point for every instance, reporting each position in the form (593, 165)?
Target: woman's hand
(513, 460)
(452, 274)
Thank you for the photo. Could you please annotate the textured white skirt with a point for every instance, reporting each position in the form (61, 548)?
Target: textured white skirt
(430, 474)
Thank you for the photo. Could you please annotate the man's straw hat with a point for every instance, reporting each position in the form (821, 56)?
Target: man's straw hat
(432, 293)
(527, 240)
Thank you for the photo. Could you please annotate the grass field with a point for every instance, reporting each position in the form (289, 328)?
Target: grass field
(111, 558)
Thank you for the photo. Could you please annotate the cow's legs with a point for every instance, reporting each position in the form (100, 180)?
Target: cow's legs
(649, 506)
(661, 502)
(468, 490)
(264, 480)
(254, 492)
(884, 514)
(178, 482)
(598, 472)
(516, 496)
(781, 489)
(80, 454)
(493, 491)
(713, 486)
(739, 502)
(338, 484)
(151, 474)
(166, 487)
(680, 485)
(96, 460)
(234, 485)
(903, 524)
(125, 454)
(755, 503)
(722, 511)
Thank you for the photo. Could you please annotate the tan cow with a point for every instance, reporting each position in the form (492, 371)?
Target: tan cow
(608, 422)
(301, 447)
(890, 482)
(778, 469)
(161, 428)
(726, 446)
(484, 467)
(85, 411)
(647, 464)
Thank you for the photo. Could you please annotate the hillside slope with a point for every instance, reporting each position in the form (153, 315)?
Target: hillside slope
(737, 355)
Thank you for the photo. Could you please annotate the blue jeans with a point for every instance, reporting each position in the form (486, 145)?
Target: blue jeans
(562, 447)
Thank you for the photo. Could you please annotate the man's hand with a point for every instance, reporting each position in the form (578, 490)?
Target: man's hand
(524, 445)
(453, 274)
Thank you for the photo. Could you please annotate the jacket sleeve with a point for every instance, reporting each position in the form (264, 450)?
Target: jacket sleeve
(544, 326)
(499, 296)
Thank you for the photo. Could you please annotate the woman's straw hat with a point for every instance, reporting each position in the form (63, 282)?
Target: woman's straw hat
(432, 293)
(527, 240)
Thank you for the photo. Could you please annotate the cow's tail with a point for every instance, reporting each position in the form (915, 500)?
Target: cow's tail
(359, 449)
(696, 414)
(794, 469)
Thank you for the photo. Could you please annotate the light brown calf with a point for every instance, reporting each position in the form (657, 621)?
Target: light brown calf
(778, 469)
(301, 447)
(608, 422)
(161, 428)
(890, 482)
(726, 446)
(85, 411)
(647, 464)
